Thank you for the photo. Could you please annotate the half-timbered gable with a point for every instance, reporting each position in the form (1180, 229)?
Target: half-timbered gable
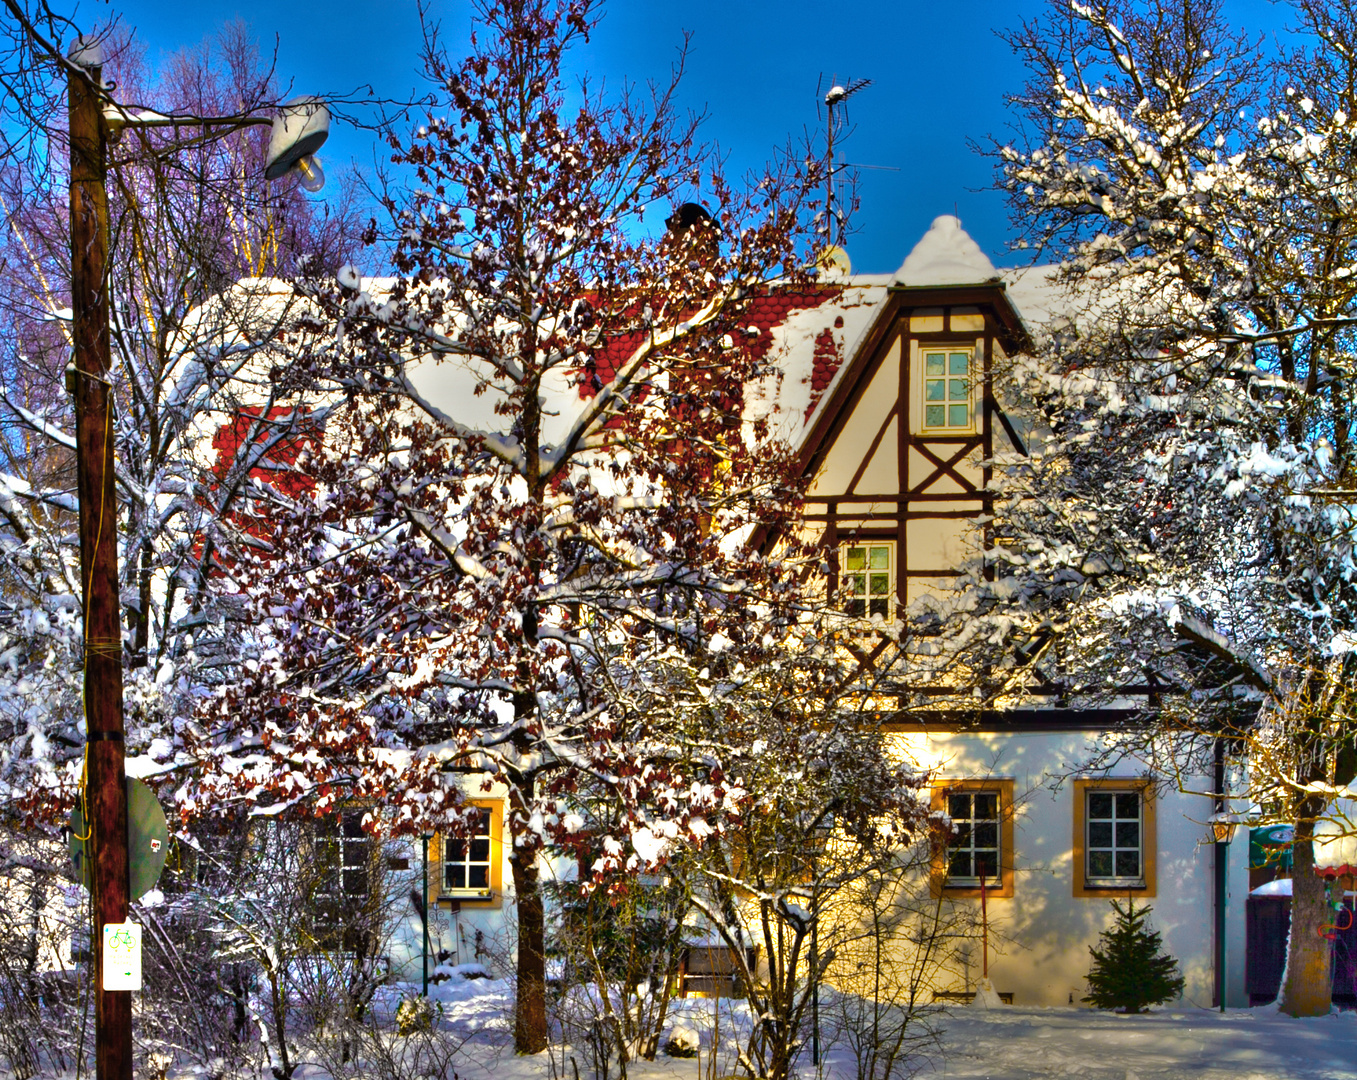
(899, 451)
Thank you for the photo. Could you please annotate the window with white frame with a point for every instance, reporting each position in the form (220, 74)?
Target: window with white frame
(344, 855)
(868, 578)
(346, 881)
(1113, 851)
(974, 851)
(467, 867)
(947, 389)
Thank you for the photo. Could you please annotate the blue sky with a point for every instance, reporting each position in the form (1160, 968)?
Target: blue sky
(939, 71)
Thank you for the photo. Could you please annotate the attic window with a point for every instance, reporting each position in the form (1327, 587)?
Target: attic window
(947, 389)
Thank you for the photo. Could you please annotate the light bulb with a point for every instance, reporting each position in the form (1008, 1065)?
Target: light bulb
(311, 175)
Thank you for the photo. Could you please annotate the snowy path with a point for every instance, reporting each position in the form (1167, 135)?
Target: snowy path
(1189, 1044)
(1005, 1043)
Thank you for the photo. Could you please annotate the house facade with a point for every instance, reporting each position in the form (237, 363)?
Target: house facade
(887, 390)
(898, 446)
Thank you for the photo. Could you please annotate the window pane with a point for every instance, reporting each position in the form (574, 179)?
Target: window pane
(958, 389)
(454, 876)
(1128, 805)
(963, 834)
(958, 806)
(958, 415)
(1128, 834)
(1100, 834)
(933, 390)
(1128, 864)
(856, 559)
(960, 864)
(356, 882)
(958, 363)
(986, 834)
(986, 865)
(1099, 805)
(456, 851)
(857, 608)
(879, 606)
(881, 558)
(933, 363)
(1100, 864)
(881, 584)
(480, 849)
(480, 877)
(857, 584)
(986, 805)
(935, 416)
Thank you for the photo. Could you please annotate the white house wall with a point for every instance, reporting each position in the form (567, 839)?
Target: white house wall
(1040, 936)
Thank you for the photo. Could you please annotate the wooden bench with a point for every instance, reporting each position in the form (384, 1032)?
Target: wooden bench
(965, 997)
(711, 971)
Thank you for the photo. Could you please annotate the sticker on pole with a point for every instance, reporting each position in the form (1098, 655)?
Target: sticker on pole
(122, 956)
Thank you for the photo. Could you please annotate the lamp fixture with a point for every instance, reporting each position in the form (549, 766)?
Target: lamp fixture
(1223, 826)
(299, 130)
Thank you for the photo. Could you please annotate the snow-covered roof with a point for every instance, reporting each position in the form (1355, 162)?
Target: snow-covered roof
(946, 255)
(809, 332)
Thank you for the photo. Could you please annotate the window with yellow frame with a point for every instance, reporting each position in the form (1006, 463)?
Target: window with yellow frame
(947, 382)
(1114, 837)
(469, 867)
(867, 578)
(980, 845)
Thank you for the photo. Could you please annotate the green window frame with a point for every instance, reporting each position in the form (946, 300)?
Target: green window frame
(868, 578)
(947, 389)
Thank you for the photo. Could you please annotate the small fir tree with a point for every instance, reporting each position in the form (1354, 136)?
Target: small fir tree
(1130, 969)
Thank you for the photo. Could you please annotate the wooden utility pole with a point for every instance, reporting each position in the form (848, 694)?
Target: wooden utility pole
(105, 781)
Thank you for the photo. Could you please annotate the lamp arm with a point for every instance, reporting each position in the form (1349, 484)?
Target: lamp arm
(118, 116)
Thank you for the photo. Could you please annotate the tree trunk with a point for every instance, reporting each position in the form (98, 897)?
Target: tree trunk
(1309, 963)
(530, 1010)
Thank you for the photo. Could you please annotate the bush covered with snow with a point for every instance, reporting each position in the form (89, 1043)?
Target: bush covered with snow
(683, 1042)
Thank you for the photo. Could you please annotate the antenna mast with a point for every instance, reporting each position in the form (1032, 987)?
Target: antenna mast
(838, 95)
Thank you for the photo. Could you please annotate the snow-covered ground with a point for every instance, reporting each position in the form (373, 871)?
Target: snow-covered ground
(1168, 1044)
(1004, 1043)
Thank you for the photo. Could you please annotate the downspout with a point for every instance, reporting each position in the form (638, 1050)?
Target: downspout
(424, 949)
(1221, 868)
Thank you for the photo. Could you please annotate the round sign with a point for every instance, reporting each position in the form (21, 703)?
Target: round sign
(148, 840)
(1274, 835)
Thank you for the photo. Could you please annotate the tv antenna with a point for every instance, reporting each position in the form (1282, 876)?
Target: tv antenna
(836, 119)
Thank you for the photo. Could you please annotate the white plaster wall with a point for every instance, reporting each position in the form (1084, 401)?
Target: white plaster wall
(851, 447)
(1040, 937)
(468, 933)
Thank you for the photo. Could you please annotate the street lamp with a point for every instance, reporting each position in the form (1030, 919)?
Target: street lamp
(298, 131)
(1223, 826)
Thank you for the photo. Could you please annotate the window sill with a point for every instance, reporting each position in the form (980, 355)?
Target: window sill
(996, 890)
(466, 894)
(934, 432)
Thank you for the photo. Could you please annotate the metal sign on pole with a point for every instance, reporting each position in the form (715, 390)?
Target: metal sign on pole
(148, 841)
(121, 956)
